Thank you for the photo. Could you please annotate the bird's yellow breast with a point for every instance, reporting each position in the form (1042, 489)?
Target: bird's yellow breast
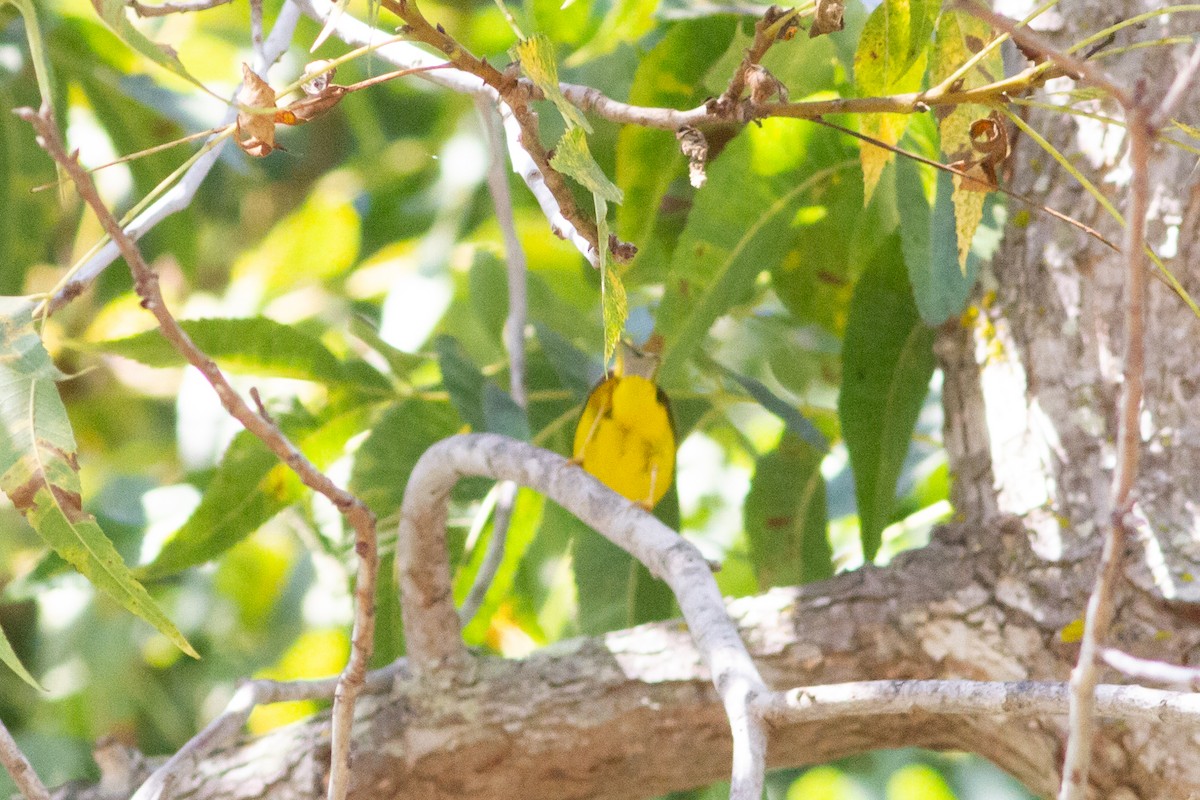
(626, 439)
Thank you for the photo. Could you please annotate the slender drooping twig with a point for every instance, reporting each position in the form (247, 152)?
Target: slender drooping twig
(514, 342)
(431, 625)
(360, 518)
(19, 768)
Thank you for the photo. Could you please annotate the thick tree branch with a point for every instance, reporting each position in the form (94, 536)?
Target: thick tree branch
(431, 625)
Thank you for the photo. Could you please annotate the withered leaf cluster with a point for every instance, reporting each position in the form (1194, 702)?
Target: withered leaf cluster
(989, 138)
(258, 114)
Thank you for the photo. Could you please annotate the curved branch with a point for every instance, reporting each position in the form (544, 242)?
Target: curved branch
(431, 625)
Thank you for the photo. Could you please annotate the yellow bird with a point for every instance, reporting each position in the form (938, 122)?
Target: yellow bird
(626, 435)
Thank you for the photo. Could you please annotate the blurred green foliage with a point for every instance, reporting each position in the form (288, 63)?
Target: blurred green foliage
(356, 279)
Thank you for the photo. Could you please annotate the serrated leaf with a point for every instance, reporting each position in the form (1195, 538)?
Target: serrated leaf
(887, 361)
(890, 58)
(114, 13)
(614, 304)
(387, 457)
(572, 157)
(960, 36)
(785, 516)
(250, 487)
(39, 473)
(253, 345)
(536, 55)
(10, 659)
(968, 211)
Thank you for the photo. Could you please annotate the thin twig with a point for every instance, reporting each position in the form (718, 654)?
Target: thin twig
(514, 342)
(180, 7)
(359, 517)
(1150, 671)
(516, 95)
(955, 171)
(19, 768)
(431, 626)
(180, 196)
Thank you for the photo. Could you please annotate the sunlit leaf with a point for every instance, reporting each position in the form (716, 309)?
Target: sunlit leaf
(785, 516)
(626, 21)
(40, 474)
(887, 361)
(918, 782)
(891, 56)
(115, 14)
(386, 458)
(573, 158)
(670, 75)
(537, 58)
(254, 345)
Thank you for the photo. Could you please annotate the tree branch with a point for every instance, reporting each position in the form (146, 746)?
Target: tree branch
(356, 513)
(179, 196)
(19, 768)
(423, 572)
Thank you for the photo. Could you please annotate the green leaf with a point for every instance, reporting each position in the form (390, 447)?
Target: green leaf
(522, 526)
(115, 14)
(891, 56)
(254, 345)
(575, 369)
(626, 21)
(940, 287)
(785, 516)
(39, 472)
(613, 589)
(10, 659)
(399, 362)
(573, 158)
(793, 420)
(251, 485)
(536, 55)
(744, 221)
(387, 456)
(668, 76)
(887, 361)
(480, 402)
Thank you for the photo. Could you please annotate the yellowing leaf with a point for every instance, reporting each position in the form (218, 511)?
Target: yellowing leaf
(315, 654)
(39, 473)
(1072, 632)
(573, 158)
(887, 128)
(960, 36)
(968, 211)
(890, 58)
(536, 55)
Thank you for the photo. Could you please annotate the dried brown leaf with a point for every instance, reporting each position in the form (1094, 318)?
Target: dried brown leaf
(695, 147)
(829, 17)
(255, 128)
(763, 85)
